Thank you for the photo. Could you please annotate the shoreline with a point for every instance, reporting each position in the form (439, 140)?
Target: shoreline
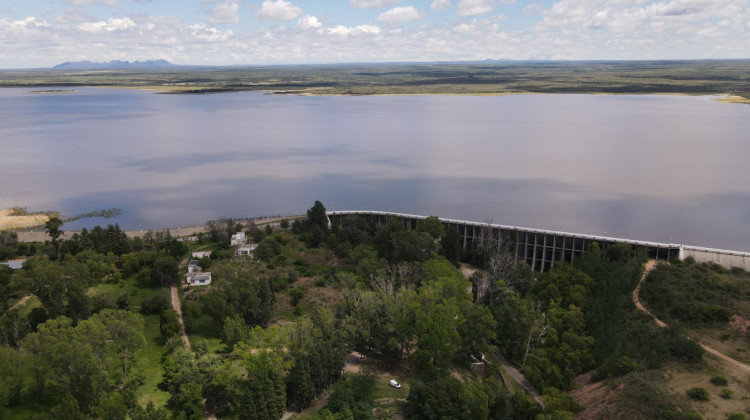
(313, 92)
(177, 232)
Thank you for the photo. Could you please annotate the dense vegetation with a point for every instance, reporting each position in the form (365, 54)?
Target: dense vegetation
(275, 333)
(698, 294)
(689, 77)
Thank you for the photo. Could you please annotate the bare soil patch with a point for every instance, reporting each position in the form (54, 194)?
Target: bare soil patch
(594, 396)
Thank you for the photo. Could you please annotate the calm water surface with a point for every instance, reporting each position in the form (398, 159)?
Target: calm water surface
(661, 168)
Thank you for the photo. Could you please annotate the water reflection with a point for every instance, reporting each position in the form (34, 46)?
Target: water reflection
(656, 168)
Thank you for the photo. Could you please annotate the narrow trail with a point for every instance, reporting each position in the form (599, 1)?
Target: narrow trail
(21, 302)
(518, 377)
(178, 308)
(650, 266)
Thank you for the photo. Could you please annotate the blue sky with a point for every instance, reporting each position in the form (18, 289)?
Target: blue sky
(40, 33)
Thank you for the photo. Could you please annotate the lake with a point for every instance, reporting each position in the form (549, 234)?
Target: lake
(658, 168)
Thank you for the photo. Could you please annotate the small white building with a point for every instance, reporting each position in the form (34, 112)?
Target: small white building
(201, 254)
(198, 279)
(246, 249)
(14, 264)
(193, 266)
(238, 239)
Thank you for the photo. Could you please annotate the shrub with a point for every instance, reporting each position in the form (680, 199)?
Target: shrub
(719, 380)
(155, 303)
(736, 416)
(296, 295)
(726, 393)
(624, 366)
(698, 393)
(693, 416)
(280, 283)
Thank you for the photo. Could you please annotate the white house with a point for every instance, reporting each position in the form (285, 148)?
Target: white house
(246, 249)
(14, 264)
(238, 238)
(198, 279)
(193, 266)
(201, 254)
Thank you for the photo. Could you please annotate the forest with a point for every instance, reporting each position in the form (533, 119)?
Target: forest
(322, 316)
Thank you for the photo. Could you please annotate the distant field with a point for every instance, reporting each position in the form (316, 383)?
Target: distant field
(698, 77)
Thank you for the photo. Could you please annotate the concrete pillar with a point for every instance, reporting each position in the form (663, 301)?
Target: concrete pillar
(533, 254)
(525, 247)
(552, 257)
(562, 254)
(544, 253)
(515, 257)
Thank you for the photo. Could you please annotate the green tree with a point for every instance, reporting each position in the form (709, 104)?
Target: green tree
(433, 226)
(53, 228)
(262, 393)
(169, 323)
(164, 272)
(234, 330)
(316, 216)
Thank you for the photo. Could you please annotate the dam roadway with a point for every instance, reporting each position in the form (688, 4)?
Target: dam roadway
(542, 249)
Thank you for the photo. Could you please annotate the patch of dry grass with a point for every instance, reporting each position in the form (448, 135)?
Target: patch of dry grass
(11, 221)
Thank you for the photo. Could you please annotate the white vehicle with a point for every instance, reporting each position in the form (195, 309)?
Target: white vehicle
(395, 384)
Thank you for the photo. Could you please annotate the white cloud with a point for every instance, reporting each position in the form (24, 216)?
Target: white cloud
(565, 29)
(438, 5)
(372, 4)
(113, 24)
(356, 30)
(400, 14)
(474, 7)
(309, 22)
(206, 33)
(225, 12)
(90, 2)
(279, 10)
(465, 28)
(532, 9)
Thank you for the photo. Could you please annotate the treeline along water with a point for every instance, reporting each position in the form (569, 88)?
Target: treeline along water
(659, 168)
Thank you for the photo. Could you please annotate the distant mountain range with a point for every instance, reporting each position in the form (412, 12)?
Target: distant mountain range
(114, 64)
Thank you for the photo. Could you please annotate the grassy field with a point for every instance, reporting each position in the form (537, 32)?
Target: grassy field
(700, 77)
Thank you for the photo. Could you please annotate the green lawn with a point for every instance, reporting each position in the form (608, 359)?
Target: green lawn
(152, 353)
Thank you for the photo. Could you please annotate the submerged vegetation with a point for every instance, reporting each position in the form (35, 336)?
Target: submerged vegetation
(698, 77)
(353, 320)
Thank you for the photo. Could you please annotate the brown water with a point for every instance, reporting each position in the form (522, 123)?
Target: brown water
(661, 168)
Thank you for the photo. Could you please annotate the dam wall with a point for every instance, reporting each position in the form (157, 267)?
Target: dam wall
(722, 257)
(542, 249)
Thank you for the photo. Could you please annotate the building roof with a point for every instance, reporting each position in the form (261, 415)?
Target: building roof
(14, 264)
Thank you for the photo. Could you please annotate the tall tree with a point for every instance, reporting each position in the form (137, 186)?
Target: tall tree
(53, 228)
(316, 216)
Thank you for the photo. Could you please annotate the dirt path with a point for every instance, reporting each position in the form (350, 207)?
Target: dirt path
(650, 266)
(20, 302)
(178, 308)
(518, 377)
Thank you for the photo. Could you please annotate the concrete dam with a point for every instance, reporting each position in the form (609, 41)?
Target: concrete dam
(542, 249)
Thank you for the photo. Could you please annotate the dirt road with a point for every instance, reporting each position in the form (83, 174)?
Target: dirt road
(20, 302)
(178, 308)
(650, 266)
(518, 377)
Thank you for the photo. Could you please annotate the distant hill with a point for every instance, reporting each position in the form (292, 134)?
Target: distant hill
(114, 64)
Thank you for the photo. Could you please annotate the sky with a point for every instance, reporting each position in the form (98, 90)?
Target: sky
(43, 33)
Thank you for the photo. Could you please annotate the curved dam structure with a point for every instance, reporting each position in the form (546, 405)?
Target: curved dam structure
(542, 249)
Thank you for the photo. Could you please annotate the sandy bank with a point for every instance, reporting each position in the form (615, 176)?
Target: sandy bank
(10, 222)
